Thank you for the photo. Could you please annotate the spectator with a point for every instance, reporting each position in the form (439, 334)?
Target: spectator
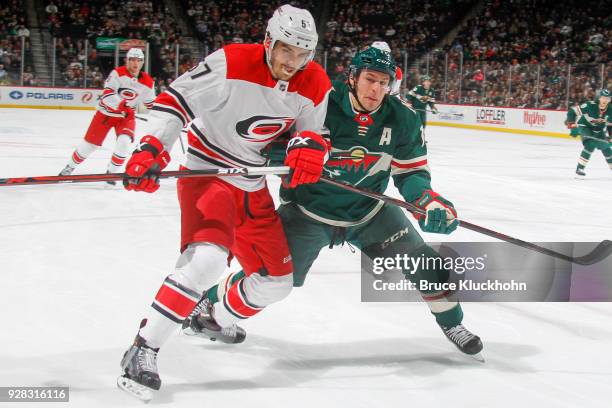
(23, 31)
(3, 75)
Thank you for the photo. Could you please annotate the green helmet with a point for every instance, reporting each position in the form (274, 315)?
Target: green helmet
(374, 59)
(425, 78)
(605, 92)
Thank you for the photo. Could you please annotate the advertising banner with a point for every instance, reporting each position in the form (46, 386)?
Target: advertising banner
(48, 98)
(539, 122)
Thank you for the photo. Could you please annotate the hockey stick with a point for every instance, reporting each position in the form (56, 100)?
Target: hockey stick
(601, 251)
(90, 178)
(179, 138)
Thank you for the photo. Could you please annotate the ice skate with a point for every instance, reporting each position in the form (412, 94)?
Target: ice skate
(466, 341)
(139, 365)
(66, 171)
(580, 173)
(201, 323)
(111, 182)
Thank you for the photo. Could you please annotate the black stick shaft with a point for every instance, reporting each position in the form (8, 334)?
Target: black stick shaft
(473, 227)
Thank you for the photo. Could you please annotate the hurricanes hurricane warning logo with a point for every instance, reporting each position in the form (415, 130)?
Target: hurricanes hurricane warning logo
(127, 93)
(263, 128)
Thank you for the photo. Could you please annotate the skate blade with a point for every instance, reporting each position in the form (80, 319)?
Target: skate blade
(212, 336)
(188, 331)
(143, 393)
(478, 357)
(192, 333)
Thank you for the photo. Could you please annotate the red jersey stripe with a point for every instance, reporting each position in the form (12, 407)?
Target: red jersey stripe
(409, 165)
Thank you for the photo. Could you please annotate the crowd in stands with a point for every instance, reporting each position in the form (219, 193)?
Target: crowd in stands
(74, 22)
(409, 27)
(519, 53)
(235, 21)
(13, 28)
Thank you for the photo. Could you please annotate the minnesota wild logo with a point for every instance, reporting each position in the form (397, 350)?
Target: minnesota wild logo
(364, 119)
(357, 164)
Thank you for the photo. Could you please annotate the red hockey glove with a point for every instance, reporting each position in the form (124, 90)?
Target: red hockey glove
(127, 111)
(307, 152)
(440, 217)
(143, 168)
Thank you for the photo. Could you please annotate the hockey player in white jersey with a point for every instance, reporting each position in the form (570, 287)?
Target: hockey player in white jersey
(233, 104)
(125, 88)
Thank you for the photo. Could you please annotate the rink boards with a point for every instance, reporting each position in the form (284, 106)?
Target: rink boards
(538, 122)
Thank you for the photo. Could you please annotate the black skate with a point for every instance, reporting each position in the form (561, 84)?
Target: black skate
(466, 341)
(111, 182)
(139, 365)
(580, 173)
(201, 323)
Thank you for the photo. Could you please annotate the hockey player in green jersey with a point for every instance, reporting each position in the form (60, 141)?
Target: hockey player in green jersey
(374, 138)
(571, 119)
(422, 96)
(592, 120)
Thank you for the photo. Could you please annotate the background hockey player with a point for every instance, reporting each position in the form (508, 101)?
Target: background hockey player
(421, 97)
(374, 138)
(593, 120)
(572, 119)
(234, 104)
(125, 88)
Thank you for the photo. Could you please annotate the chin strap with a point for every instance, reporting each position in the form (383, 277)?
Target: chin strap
(360, 108)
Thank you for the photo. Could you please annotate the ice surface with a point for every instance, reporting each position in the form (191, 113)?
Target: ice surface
(80, 265)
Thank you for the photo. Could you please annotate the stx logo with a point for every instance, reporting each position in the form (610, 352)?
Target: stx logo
(232, 171)
(298, 141)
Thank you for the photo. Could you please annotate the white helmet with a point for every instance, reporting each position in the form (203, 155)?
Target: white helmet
(382, 45)
(135, 53)
(293, 26)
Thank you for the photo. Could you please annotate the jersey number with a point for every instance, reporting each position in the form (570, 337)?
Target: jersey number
(207, 70)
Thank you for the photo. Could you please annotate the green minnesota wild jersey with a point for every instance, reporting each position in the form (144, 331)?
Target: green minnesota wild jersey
(420, 97)
(367, 150)
(592, 121)
(572, 117)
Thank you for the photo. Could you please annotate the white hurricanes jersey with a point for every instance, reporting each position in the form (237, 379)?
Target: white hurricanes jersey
(395, 91)
(233, 108)
(121, 85)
